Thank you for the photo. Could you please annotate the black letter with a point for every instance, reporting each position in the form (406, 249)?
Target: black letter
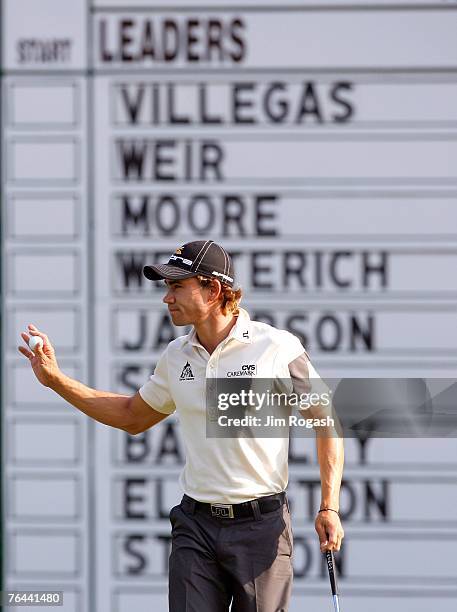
(237, 24)
(192, 39)
(170, 28)
(260, 215)
(333, 261)
(256, 270)
(282, 105)
(334, 95)
(381, 500)
(366, 334)
(136, 346)
(192, 214)
(135, 217)
(335, 326)
(130, 499)
(234, 211)
(132, 154)
(169, 444)
(133, 107)
(128, 548)
(168, 203)
(306, 108)
(296, 270)
(137, 448)
(238, 104)
(210, 150)
(380, 268)
(202, 97)
(105, 54)
(125, 39)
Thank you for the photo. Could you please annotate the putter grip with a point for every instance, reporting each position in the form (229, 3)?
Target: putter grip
(331, 571)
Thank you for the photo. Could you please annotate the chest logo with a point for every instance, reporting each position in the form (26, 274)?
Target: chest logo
(187, 373)
(250, 369)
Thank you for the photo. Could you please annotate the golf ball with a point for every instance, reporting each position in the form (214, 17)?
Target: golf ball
(35, 341)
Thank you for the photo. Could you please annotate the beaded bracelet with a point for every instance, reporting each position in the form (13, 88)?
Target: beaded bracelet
(331, 510)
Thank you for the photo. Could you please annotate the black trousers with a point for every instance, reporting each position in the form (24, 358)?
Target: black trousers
(215, 562)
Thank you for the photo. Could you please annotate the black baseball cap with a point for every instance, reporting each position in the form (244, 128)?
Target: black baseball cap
(201, 257)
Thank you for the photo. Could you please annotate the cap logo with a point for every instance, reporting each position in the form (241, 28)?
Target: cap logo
(178, 251)
(187, 262)
(228, 278)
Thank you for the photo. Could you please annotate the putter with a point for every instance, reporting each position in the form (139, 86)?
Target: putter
(331, 574)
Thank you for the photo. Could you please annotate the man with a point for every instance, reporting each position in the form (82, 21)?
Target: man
(232, 542)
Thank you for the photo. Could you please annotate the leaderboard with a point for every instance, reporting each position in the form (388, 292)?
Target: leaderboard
(317, 144)
(45, 443)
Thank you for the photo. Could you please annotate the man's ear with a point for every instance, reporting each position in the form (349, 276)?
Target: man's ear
(215, 290)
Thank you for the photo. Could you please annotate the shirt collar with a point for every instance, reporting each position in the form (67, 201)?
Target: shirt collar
(241, 331)
(242, 328)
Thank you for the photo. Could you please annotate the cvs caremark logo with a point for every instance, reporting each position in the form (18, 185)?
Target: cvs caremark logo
(249, 369)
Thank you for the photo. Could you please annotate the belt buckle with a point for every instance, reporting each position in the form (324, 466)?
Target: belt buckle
(222, 510)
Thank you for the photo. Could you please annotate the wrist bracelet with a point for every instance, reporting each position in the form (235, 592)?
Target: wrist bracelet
(331, 510)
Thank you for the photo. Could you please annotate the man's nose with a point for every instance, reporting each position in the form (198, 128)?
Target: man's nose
(168, 298)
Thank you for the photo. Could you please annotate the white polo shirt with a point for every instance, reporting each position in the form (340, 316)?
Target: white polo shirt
(229, 469)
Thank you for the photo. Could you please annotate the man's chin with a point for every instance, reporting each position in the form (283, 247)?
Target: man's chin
(178, 319)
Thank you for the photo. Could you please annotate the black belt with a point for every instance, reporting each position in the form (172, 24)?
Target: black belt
(268, 503)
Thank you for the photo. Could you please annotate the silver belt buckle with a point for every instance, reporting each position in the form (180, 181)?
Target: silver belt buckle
(222, 510)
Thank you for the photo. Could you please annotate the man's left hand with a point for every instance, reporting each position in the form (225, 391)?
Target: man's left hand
(329, 530)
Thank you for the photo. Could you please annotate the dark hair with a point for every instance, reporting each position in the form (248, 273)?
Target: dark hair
(230, 298)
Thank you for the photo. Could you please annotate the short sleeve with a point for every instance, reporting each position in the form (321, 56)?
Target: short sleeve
(290, 351)
(292, 348)
(305, 379)
(305, 376)
(156, 391)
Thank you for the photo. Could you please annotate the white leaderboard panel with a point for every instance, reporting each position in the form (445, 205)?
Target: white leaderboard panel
(317, 142)
(45, 219)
